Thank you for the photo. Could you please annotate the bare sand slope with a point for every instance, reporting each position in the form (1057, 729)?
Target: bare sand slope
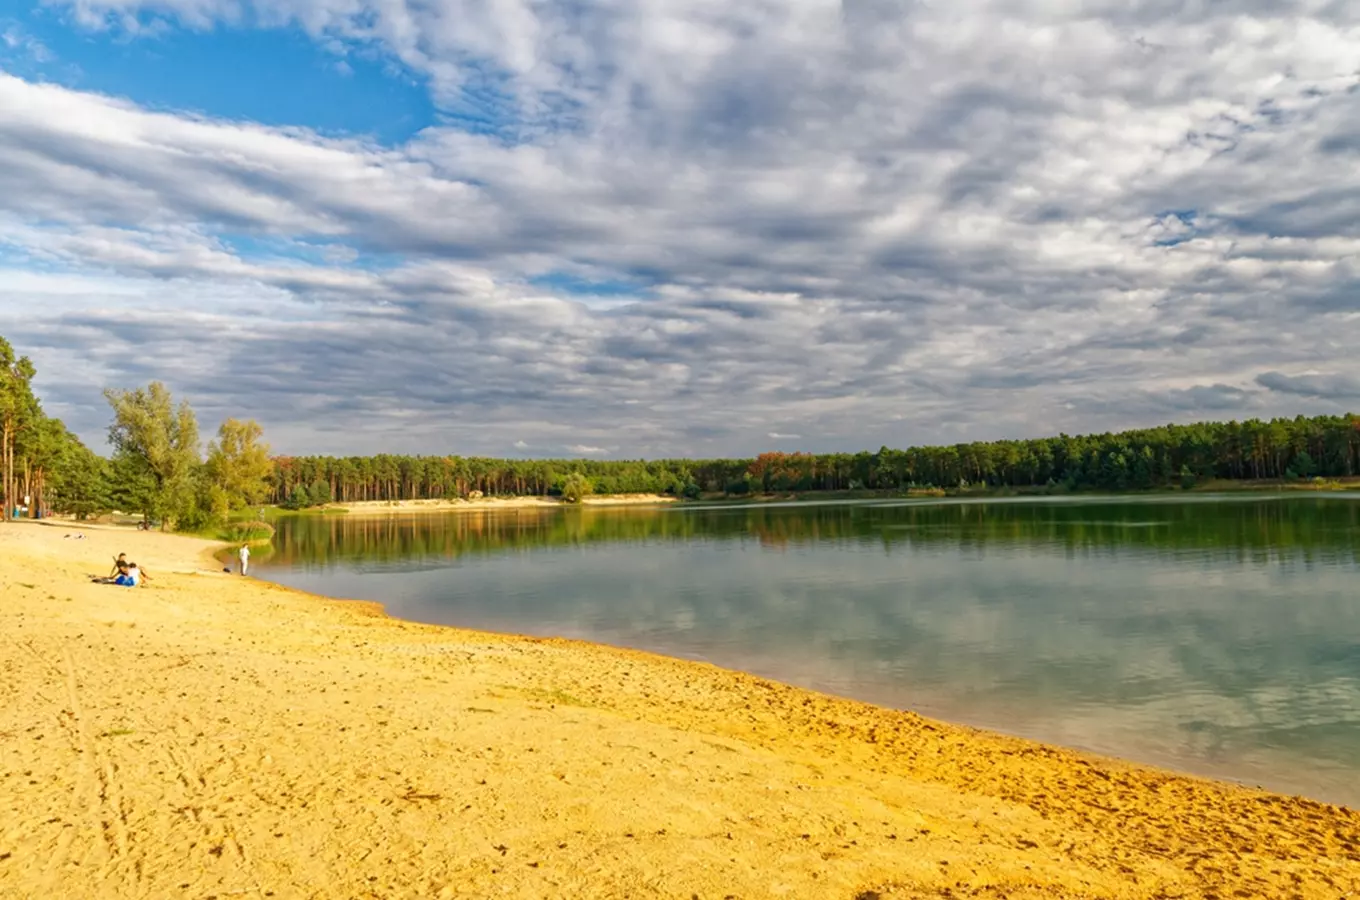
(214, 736)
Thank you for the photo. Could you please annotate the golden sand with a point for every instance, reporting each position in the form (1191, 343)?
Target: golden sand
(216, 736)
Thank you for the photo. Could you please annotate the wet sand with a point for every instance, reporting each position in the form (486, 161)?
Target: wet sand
(216, 736)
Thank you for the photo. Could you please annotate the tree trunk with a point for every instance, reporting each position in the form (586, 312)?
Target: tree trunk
(4, 474)
(7, 463)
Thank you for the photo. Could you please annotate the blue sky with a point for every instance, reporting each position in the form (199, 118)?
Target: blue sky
(274, 76)
(686, 227)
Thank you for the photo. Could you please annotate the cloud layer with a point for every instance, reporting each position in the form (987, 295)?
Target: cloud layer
(699, 228)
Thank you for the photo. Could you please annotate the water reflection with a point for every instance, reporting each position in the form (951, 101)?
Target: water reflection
(1218, 636)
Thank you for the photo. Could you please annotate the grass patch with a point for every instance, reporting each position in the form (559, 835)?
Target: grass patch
(248, 532)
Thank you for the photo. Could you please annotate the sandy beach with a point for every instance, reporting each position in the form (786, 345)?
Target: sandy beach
(385, 507)
(213, 736)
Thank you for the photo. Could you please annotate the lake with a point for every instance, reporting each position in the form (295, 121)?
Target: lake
(1218, 635)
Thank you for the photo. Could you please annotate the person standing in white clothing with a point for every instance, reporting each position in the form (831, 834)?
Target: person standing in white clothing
(245, 558)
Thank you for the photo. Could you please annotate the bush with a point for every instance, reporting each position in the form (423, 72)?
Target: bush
(300, 498)
(319, 494)
(575, 488)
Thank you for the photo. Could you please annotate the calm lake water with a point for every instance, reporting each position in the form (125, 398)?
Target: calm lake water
(1217, 634)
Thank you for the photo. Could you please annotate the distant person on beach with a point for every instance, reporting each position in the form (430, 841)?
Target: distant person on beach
(245, 558)
(121, 567)
(131, 577)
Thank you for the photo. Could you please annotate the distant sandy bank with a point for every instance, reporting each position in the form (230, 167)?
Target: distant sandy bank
(217, 736)
(439, 506)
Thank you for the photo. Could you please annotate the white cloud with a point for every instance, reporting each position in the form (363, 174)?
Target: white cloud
(18, 44)
(884, 223)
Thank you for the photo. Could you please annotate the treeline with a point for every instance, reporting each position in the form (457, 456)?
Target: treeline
(43, 467)
(1170, 455)
(157, 470)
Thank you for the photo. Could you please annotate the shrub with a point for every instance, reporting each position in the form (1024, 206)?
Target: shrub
(300, 498)
(319, 494)
(575, 487)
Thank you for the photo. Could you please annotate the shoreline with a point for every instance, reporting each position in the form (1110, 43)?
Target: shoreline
(216, 734)
(399, 507)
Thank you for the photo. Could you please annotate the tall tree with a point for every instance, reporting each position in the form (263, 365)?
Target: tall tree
(79, 485)
(43, 447)
(18, 407)
(239, 464)
(152, 435)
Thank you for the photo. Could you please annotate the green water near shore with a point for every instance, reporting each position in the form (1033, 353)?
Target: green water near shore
(1212, 634)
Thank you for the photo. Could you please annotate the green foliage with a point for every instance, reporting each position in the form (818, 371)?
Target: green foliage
(81, 486)
(319, 494)
(18, 411)
(1144, 459)
(149, 428)
(248, 532)
(300, 498)
(156, 471)
(44, 467)
(575, 487)
(216, 503)
(239, 465)
(131, 485)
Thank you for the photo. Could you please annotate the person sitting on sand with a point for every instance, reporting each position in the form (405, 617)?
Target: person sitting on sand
(132, 577)
(121, 567)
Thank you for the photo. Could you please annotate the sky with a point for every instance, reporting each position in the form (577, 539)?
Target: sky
(649, 228)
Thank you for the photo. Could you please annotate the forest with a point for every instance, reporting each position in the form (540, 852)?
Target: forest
(158, 470)
(1166, 456)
